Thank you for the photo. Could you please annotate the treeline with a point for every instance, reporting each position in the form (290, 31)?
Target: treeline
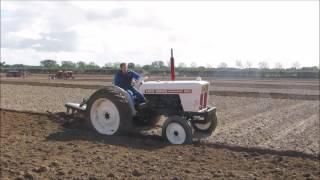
(159, 68)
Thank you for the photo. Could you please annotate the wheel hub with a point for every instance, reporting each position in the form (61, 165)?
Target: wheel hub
(107, 116)
(176, 133)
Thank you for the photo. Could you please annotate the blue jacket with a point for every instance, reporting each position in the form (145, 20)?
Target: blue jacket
(124, 80)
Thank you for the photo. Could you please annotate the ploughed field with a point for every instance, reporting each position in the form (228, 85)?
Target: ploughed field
(283, 87)
(286, 124)
(259, 135)
(35, 147)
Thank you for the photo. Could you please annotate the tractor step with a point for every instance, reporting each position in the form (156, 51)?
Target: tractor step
(75, 107)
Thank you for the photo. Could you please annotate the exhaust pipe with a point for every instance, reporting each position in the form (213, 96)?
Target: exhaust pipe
(172, 66)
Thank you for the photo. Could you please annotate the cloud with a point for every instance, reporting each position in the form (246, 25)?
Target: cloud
(44, 28)
(103, 31)
(14, 21)
(112, 14)
(57, 41)
(148, 22)
(119, 12)
(49, 42)
(122, 16)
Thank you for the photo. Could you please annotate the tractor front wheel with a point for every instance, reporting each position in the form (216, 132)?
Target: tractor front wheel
(177, 130)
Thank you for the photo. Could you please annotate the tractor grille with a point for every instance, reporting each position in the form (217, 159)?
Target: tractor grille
(204, 97)
(201, 101)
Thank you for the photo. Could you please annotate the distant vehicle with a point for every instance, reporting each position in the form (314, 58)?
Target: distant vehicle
(62, 75)
(16, 73)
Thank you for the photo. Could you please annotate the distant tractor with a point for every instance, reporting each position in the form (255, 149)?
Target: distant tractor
(183, 106)
(16, 73)
(62, 75)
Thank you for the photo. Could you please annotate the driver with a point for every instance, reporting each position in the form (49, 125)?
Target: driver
(123, 78)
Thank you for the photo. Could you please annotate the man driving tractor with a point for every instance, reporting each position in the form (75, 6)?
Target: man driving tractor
(124, 79)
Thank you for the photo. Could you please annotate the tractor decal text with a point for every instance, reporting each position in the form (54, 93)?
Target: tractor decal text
(167, 91)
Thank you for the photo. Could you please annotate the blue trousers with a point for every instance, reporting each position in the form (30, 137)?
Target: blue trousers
(135, 95)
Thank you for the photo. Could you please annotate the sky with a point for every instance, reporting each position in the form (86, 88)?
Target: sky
(204, 33)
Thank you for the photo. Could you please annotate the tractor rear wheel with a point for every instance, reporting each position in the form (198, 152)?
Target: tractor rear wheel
(177, 130)
(208, 127)
(108, 113)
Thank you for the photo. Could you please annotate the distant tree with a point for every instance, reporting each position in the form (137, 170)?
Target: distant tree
(157, 64)
(223, 65)
(296, 65)
(68, 65)
(182, 65)
(248, 65)
(208, 65)
(18, 65)
(263, 65)
(310, 68)
(48, 63)
(116, 65)
(168, 63)
(81, 65)
(108, 65)
(239, 64)
(193, 64)
(278, 65)
(2, 63)
(146, 67)
(131, 65)
(92, 65)
(138, 66)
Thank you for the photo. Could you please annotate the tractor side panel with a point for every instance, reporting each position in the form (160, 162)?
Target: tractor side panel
(188, 91)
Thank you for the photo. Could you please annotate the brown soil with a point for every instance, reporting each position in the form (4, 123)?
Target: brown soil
(269, 123)
(231, 89)
(246, 121)
(35, 147)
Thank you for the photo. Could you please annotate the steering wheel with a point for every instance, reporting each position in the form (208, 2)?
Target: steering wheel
(137, 83)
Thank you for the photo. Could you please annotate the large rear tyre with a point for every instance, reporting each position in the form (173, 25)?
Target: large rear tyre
(109, 113)
(208, 127)
(177, 130)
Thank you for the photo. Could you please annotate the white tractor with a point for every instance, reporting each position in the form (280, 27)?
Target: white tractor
(184, 104)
